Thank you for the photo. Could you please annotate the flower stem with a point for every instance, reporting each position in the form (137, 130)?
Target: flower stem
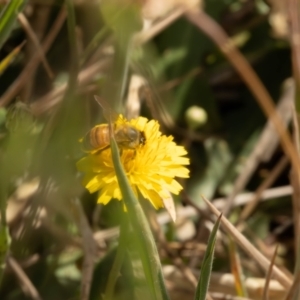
(115, 270)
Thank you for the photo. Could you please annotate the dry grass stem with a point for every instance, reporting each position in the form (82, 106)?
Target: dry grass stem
(206, 24)
(249, 248)
(26, 284)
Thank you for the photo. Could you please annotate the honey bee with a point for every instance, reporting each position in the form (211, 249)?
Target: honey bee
(98, 138)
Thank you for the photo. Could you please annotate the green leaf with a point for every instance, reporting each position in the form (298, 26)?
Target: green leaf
(124, 20)
(93, 44)
(114, 272)
(124, 288)
(8, 17)
(144, 238)
(206, 268)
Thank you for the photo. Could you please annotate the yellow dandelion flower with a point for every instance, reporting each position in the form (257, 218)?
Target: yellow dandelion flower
(150, 168)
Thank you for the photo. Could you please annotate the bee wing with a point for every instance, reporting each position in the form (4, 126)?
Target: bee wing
(109, 114)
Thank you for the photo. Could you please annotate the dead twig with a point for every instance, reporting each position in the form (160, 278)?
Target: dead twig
(26, 284)
(177, 261)
(294, 16)
(30, 32)
(54, 97)
(146, 35)
(265, 146)
(269, 275)
(221, 283)
(209, 26)
(249, 248)
(275, 172)
(85, 76)
(89, 250)
(17, 85)
(295, 181)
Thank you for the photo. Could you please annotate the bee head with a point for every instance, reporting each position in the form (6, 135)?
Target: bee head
(132, 136)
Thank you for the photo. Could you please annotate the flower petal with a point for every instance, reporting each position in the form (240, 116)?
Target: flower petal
(151, 167)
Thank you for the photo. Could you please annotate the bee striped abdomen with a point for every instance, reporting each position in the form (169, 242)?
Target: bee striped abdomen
(97, 138)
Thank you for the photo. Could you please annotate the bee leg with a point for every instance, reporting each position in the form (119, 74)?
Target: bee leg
(134, 154)
(100, 150)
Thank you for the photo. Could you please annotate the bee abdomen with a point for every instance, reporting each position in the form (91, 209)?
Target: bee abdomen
(96, 138)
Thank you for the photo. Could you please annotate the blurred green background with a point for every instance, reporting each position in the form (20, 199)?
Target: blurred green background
(88, 47)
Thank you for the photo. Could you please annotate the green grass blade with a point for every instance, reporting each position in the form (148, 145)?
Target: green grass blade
(123, 20)
(4, 247)
(8, 17)
(93, 44)
(204, 278)
(4, 63)
(114, 272)
(146, 245)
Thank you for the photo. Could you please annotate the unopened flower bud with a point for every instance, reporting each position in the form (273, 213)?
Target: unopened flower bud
(195, 116)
